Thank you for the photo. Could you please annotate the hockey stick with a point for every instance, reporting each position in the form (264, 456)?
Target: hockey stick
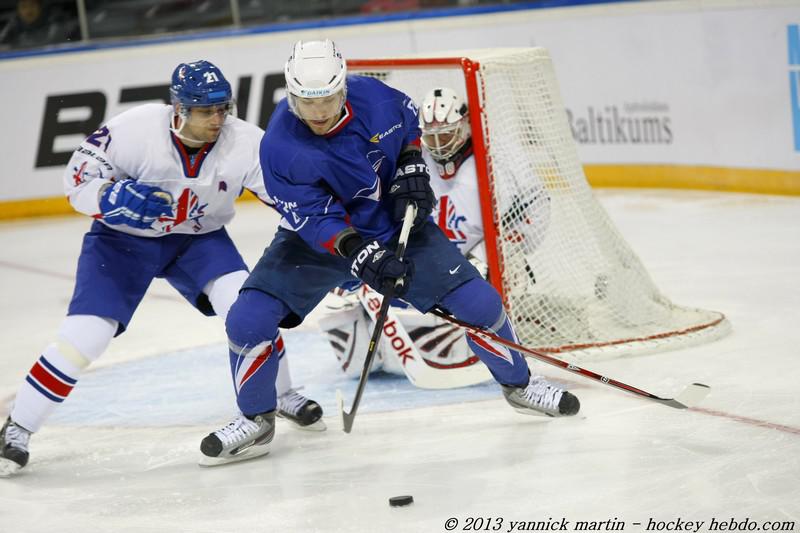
(690, 396)
(403, 349)
(349, 417)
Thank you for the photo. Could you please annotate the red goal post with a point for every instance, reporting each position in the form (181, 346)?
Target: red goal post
(469, 68)
(571, 283)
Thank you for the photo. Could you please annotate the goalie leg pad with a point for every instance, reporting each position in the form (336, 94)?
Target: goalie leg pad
(441, 344)
(348, 332)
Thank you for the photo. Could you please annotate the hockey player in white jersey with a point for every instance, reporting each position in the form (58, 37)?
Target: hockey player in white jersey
(417, 338)
(160, 182)
(446, 135)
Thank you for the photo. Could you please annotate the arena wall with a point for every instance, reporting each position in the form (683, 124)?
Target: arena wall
(677, 94)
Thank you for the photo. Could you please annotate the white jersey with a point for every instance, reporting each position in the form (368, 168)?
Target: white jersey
(458, 207)
(138, 144)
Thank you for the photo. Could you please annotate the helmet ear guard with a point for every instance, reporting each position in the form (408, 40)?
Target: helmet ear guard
(443, 121)
(316, 69)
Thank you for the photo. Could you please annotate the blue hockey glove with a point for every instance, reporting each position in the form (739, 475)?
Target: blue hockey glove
(134, 204)
(379, 267)
(412, 183)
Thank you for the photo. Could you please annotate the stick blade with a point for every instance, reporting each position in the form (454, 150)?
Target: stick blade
(691, 396)
(347, 420)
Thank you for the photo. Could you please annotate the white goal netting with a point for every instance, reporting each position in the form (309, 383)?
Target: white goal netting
(571, 283)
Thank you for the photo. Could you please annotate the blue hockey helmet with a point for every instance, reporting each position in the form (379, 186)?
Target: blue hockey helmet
(199, 83)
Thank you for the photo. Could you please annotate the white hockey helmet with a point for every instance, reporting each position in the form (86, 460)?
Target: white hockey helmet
(444, 122)
(316, 69)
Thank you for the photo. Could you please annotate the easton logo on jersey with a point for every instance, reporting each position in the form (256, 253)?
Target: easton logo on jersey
(449, 220)
(378, 137)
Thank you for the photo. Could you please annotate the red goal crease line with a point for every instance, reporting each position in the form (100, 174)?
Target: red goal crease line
(657, 336)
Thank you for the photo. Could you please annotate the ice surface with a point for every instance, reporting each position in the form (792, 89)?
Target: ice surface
(120, 454)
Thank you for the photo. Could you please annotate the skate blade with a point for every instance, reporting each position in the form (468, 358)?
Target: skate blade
(533, 412)
(317, 426)
(8, 468)
(250, 453)
(527, 411)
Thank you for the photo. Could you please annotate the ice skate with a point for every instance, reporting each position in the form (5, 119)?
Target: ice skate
(302, 412)
(13, 448)
(243, 438)
(541, 397)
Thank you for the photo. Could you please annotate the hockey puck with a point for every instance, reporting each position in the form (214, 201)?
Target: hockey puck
(401, 501)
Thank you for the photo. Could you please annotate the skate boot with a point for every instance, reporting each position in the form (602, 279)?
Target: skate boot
(243, 438)
(302, 412)
(13, 448)
(541, 397)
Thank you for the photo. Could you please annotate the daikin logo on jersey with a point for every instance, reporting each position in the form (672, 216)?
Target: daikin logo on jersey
(314, 93)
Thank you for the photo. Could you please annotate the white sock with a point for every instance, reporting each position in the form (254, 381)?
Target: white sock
(284, 381)
(223, 291)
(81, 340)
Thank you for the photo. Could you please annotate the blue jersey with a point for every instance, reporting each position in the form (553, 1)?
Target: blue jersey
(324, 183)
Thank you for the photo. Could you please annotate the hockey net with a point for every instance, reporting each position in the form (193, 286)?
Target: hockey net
(571, 285)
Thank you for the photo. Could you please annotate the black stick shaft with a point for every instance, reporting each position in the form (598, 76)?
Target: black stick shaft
(349, 417)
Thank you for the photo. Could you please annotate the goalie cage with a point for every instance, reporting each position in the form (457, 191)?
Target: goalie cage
(582, 291)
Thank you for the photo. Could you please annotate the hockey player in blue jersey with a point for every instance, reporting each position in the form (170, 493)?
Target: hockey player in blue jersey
(161, 181)
(438, 353)
(341, 159)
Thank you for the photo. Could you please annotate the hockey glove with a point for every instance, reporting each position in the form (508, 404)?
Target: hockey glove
(379, 268)
(134, 204)
(412, 184)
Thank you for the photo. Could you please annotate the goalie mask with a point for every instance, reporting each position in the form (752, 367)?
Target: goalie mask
(199, 84)
(316, 83)
(444, 121)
